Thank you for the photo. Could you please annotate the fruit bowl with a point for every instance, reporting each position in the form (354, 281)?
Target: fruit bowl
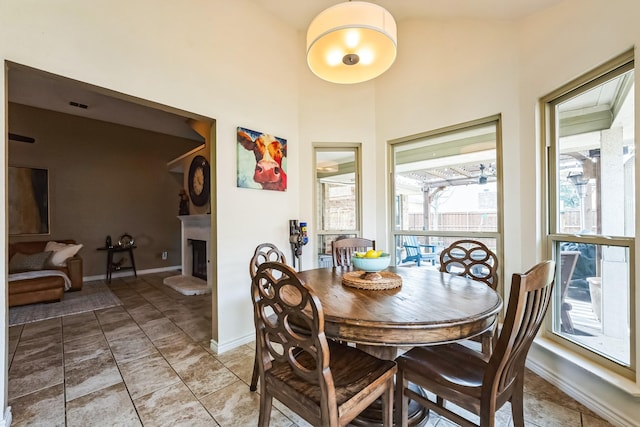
(371, 265)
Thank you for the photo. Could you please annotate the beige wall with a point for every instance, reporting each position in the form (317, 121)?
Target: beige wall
(230, 61)
(104, 179)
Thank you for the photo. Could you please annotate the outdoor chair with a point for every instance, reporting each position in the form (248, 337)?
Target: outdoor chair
(568, 261)
(476, 261)
(418, 252)
(264, 252)
(325, 382)
(342, 249)
(471, 380)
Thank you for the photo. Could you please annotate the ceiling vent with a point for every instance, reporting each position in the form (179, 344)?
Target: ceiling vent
(78, 105)
(21, 138)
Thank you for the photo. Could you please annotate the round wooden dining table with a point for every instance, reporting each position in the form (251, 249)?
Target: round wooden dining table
(429, 308)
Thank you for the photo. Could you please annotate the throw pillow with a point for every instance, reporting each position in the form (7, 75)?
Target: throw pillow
(23, 262)
(61, 251)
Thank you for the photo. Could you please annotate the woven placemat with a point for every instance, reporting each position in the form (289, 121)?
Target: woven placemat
(363, 280)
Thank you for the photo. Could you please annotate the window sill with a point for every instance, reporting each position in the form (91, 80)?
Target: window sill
(612, 378)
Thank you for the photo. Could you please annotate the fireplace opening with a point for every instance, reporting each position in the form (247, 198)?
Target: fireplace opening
(199, 256)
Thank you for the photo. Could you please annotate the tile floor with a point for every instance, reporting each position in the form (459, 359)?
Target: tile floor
(148, 362)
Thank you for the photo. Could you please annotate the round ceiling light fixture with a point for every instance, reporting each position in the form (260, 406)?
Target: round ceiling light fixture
(351, 42)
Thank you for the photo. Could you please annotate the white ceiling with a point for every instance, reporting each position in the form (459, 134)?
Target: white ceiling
(42, 90)
(50, 92)
(300, 13)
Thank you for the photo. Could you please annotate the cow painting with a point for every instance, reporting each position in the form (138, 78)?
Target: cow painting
(261, 160)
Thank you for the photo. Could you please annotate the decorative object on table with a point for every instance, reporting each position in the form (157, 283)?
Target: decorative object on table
(184, 203)
(117, 265)
(126, 240)
(369, 273)
(384, 280)
(28, 190)
(199, 181)
(262, 160)
(108, 243)
(371, 262)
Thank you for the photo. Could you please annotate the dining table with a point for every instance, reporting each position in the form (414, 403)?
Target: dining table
(428, 308)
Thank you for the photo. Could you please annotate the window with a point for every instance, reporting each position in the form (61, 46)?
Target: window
(337, 196)
(446, 186)
(591, 210)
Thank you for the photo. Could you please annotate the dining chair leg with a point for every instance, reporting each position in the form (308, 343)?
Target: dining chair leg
(387, 405)
(517, 402)
(265, 408)
(401, 401)
(487, 418)
(256, 373)
(487, 344)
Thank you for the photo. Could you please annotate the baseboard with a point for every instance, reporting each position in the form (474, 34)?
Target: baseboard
(129, 273)
(6, 420)
(219, 349)
(616, 404)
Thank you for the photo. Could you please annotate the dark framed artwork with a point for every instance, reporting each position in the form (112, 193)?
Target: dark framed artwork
(28, 190)
(262, 160)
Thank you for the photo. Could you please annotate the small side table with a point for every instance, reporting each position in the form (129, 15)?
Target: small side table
(111, 267)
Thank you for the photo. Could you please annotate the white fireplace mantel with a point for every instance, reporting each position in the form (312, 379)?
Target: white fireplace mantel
(195, 227)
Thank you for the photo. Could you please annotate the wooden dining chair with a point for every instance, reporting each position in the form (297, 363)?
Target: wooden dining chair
(471, 259)
(470, 380)
(264, 252)
(325, 382)
(476, 261)
(342, 249)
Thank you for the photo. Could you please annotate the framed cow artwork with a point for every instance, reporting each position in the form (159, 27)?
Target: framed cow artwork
(262, 160)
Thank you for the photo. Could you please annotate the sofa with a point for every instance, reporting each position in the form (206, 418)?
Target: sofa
(33, 260)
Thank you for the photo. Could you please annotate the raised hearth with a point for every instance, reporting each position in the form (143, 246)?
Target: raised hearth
(194, 228)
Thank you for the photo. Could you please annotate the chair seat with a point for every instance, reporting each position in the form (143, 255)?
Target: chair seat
(453, 366)
(350, 379)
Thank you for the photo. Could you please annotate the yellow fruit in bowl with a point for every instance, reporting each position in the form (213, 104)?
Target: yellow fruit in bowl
(372, 253)
(359, 254)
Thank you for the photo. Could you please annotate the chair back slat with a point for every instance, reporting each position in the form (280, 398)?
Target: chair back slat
(295, 335)
(265, 252)
(528, 303)
(343, 249)
(471, 259)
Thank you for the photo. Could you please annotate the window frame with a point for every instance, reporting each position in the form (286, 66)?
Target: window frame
(550, 229)
(498, 235)
(356, 148)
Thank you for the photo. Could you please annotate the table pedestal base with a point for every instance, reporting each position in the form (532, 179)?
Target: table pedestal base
(372, 416)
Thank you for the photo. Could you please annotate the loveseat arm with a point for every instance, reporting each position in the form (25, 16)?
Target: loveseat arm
(74, 267)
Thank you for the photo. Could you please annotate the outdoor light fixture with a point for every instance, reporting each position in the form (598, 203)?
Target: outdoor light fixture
(482, 179)
(351, 42)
